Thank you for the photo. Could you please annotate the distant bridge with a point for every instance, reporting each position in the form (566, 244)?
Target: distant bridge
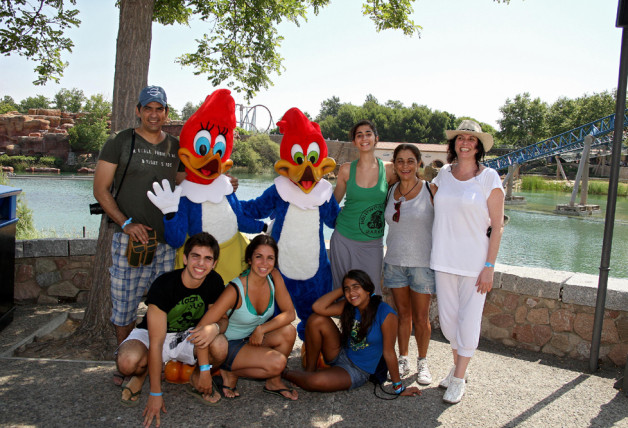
(570, 141)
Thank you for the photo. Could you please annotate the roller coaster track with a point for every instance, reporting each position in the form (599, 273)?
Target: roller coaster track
(570, 141)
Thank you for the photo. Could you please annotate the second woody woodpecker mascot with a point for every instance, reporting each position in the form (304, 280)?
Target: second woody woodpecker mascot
(301, 201)
(205, 201)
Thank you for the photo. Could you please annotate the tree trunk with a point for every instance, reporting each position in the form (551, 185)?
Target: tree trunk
(131, 75)
(132, 60)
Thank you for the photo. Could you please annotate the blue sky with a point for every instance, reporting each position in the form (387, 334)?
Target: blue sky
(471, 56)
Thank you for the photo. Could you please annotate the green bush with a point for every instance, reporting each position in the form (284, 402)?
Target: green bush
(25, 228)
(20, 163)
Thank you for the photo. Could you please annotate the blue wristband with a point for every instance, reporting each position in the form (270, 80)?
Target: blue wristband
(126, 223)
(400, 390)
(205, 367)
(156, 394)
(489, 264)
(396, 384)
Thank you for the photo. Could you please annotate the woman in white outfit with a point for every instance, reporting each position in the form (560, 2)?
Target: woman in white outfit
(468, 226)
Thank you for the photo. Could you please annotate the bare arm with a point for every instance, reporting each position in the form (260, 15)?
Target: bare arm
(391, 175)
(180, 177)
(157, 327)
(341, 181)
(103, 178)
(327, 305)
(495, 204)
(215, 320)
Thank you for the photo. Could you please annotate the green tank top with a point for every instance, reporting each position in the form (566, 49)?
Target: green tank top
(362, 216)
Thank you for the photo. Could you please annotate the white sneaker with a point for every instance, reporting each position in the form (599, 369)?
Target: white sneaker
(404, 366)
(455, 391)
(444, 383)
(424, 377)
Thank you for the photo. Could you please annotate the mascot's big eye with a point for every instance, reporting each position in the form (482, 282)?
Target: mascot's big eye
(313, 152)
(202, 142)
(220, 145)
(297, 154)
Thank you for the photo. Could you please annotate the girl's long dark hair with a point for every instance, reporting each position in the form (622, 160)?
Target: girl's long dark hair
(348, 313)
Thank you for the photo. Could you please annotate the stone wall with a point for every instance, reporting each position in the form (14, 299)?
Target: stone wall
(538, 309)
(50, 271)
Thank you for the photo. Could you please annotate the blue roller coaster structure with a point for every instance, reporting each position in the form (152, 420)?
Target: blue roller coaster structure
(570, 141)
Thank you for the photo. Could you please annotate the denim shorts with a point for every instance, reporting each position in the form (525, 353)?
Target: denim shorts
(420, 279)
(358, 376)
(234, 347)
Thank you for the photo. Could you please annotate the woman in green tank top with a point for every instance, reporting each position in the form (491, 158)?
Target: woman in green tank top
(357, 240)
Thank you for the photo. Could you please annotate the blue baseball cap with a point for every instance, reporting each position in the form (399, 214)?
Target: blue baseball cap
(153, 93)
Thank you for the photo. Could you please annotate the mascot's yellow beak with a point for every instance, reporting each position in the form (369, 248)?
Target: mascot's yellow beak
(208, 167)
(305, 175)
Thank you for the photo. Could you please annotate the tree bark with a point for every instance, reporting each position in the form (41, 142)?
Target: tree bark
(132, 60)
(131, 75)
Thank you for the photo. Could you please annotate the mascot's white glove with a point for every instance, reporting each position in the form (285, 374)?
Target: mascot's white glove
(164, 198)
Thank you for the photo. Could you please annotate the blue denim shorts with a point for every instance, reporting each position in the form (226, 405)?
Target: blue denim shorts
(358, 376)
(420, 279)
(234, 347)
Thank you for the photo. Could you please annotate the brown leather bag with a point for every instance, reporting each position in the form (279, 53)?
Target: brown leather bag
(139, 254)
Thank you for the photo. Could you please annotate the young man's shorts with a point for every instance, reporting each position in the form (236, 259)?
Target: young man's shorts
(358, 376)
(420, 279)
(234, 347)
(176, 347)
(129, 284)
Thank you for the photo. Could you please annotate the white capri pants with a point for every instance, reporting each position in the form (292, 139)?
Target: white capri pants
(460, 309)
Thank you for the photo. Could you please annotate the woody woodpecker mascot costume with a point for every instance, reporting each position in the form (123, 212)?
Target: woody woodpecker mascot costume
(301, 201)
(205, 201)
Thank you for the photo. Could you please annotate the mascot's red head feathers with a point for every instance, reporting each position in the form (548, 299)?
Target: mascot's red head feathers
(303, 151)
(206, 139)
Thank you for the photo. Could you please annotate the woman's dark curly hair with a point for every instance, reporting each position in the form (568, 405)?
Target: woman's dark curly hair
(347, 317)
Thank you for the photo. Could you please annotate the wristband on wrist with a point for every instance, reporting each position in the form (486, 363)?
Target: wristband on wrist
(156, 394)
(127, 222)
(400, 389)
(217, 326)
(396, 384)
(205, 367)
(489, 264)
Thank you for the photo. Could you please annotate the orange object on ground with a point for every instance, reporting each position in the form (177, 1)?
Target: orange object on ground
(177, 372)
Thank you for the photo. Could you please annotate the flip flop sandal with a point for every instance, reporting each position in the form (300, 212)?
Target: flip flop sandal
(279, 392)
(221, 387)
(119, 379)
(129, 402)
(199, 395)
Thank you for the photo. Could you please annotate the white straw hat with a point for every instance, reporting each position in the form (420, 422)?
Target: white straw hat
(472, 128)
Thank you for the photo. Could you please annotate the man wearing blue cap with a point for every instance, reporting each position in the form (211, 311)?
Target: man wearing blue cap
(132, 160)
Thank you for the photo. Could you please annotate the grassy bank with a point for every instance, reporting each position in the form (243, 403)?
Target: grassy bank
(531, 183)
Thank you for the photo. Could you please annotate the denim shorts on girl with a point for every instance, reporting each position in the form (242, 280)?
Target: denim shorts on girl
(420, 279)
(358, 376)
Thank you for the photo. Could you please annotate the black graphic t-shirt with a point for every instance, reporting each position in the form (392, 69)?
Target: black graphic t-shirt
(185, 306)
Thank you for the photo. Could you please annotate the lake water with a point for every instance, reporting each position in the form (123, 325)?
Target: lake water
(534, 237)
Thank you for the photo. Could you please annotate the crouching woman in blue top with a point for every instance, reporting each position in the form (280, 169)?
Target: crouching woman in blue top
(259, 344)
(368, 330)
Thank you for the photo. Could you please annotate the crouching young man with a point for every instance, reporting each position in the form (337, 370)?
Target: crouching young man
(176, 302)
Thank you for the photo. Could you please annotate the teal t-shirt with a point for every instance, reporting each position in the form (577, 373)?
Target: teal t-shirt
(362, 216)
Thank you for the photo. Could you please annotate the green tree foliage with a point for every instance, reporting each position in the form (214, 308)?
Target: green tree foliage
(38, 101)
(69, 100)
(189, 109)
(529, 121)
(173, 113)
(34, 29)
(394, 121)
(523, 120)
(25, 228)
(257, 153)
(8, 104)
(91, 131)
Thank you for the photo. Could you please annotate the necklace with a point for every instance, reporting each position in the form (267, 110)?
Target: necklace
(402, 198)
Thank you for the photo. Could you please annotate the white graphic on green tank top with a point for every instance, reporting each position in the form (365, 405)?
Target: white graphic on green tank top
(186, 313)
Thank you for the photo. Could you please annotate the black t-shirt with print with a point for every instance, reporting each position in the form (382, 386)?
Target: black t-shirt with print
(184, 306)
